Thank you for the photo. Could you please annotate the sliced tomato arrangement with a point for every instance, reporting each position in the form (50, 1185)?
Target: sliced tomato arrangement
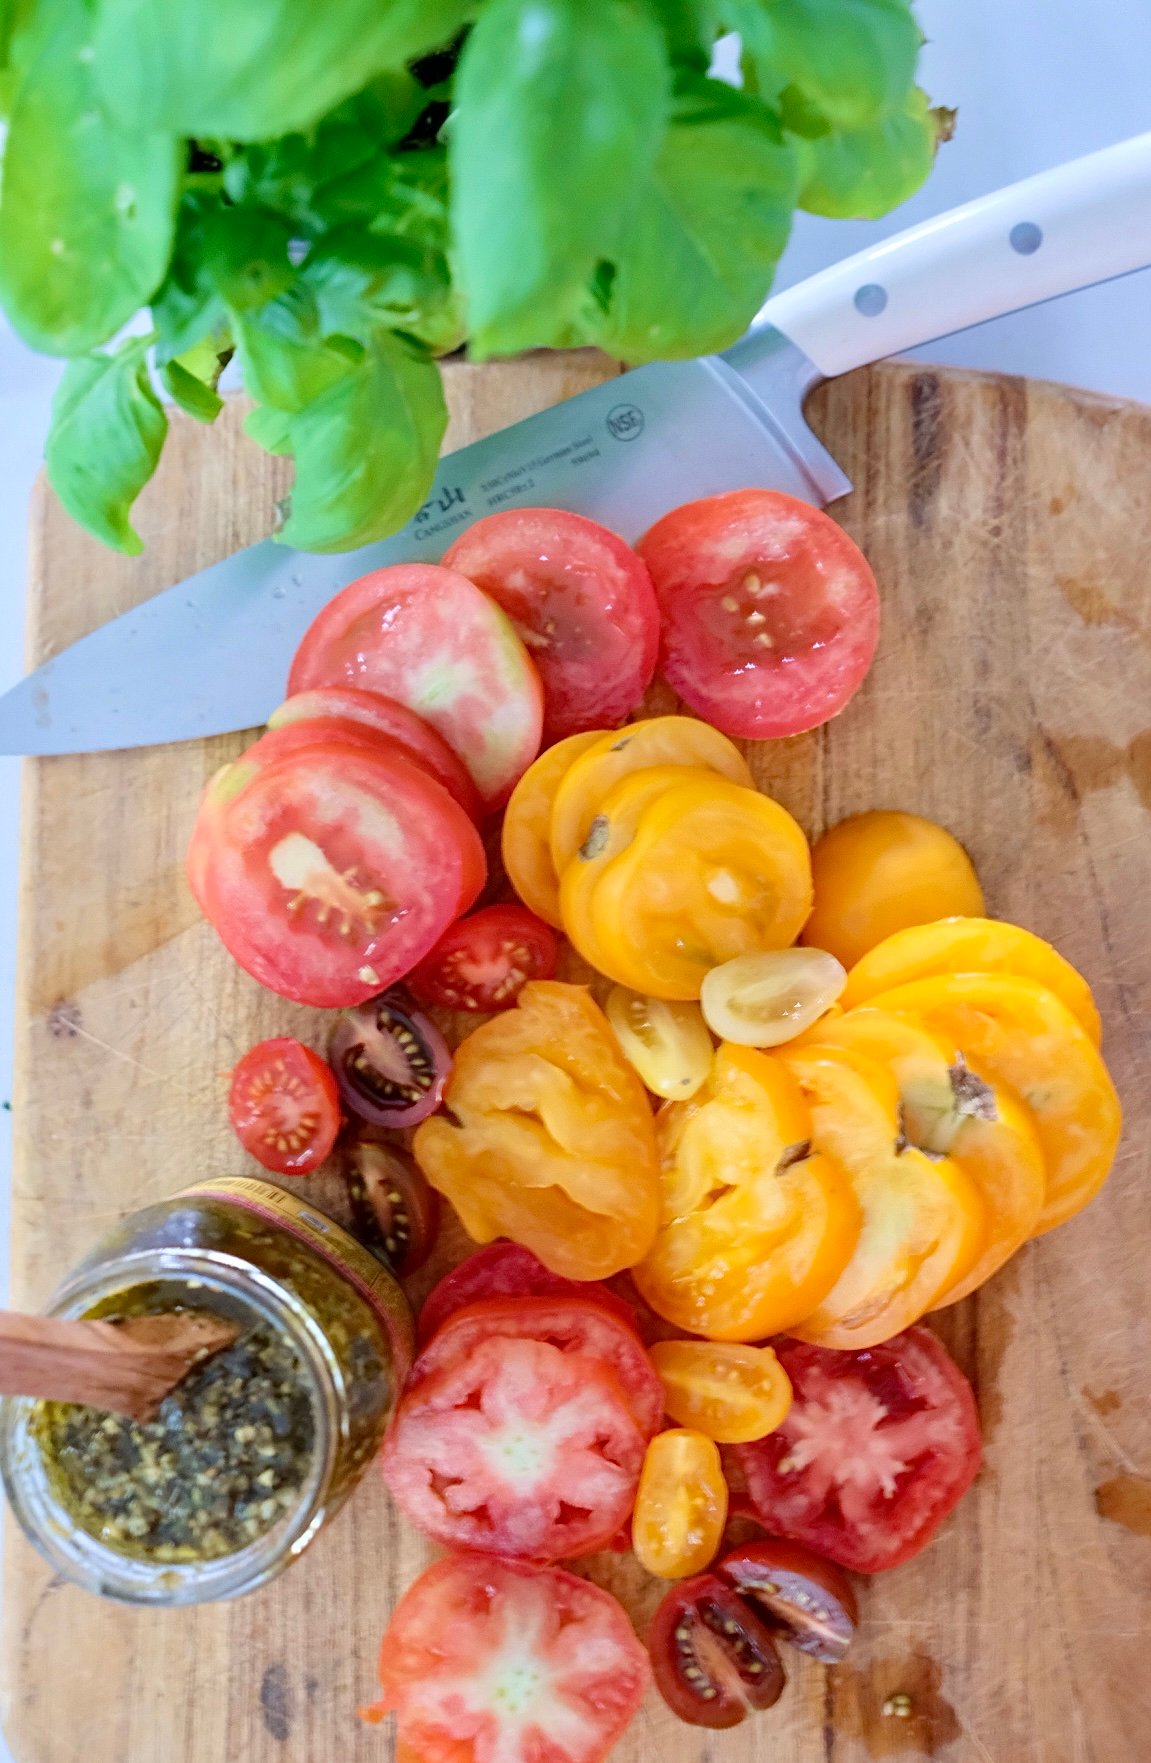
(581, 600)
(483, 962)
(284, 1106)
(770, 611)
(508, 1270)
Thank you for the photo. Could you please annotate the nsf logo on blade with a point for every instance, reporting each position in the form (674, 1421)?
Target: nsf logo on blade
(625, 422)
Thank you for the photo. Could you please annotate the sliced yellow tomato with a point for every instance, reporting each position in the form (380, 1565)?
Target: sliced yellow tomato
(525, 839)
(765, 999)
(667, 1044)
(730, 1392)
(680, 1506)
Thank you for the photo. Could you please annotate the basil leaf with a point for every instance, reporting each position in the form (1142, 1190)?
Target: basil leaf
(286, 359)
(270, 429)
(867, 172)
(690, 28)
(855, 58)
(696, 258)
(248, 70)
(560, 104)
(87, 210)
(366, 449)
(190, 393)
(107, 429)
(362, 278)
(187, 307)
(246, 255)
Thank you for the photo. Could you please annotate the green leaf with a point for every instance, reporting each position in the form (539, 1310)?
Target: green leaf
(560, 106)
(108, 427)
(868, 172)
(248, 70)
(87, 208)
(855, 58)
(270, 429)
(696, 260)
(187, 307)
(246, 254)
(286, 358)
(191, 393)
(690, 28)
(366, 450)
(362, 278)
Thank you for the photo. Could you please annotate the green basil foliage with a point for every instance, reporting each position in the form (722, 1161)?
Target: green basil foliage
(338, 193)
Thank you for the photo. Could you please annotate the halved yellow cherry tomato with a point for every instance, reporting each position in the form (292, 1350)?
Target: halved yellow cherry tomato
(765, 999)
(923, 1217)
(667, 1044)
(1016, 1032)
(755, 1228)
(680, 871)
(947, 1107)
(876, 873)
(681, 1505)
(660, 740)
(729, 1392)
(971, 945)
(526, 833)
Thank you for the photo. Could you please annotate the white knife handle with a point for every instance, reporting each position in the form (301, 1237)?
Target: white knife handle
(1083, 222)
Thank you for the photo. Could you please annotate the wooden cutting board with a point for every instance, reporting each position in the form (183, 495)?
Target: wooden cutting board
(1009, 525)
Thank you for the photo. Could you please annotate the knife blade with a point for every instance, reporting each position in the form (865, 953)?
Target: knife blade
(211, 654)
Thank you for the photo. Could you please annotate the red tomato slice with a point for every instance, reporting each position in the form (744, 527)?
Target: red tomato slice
(573, 1325)
(484, 962)
(516, 1447)
(714, 1657)
(328, 872)
(770, 612)
(284, 1106)
(508, 1270)
(582, 602)
(428, 637)
(388, 717)
(877, 1448)
(489, 1661)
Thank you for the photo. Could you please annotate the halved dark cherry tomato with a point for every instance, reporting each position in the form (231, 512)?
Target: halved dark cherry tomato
(582, 602)
(715, 1661)
(394, 1210)
(508, 1270)
(284, 1106)
(484, 962)
(798, 1591)
(391, 1062)
(770, 612)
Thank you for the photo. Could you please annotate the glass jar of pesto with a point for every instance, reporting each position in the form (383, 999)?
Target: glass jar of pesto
(260, 1445)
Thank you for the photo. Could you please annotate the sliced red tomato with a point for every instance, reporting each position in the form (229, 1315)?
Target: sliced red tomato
(770, 612)
(489, 1661)
(579, 1326)
(330, 871)
(484, 962)
(715, 1659)
(284, 1106)
(428, 637)
(508, 1270)
(876, 1449)
(387, 716)
(582, 602)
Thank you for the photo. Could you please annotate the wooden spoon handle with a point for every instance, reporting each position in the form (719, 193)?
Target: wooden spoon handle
(127, 1366)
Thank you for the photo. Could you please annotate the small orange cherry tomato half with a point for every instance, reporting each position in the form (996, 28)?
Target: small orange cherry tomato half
(525, 840)
(667, 1044)
(681, 1505)
(284, 1106)
(729, 1392)
(877, 873)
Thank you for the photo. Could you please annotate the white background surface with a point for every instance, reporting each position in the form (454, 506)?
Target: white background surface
(1034, 84)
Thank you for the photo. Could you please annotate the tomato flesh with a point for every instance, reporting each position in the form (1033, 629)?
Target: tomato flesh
(796, 1590)
(581, 600)
(394, 1210)
(770, 612)
(508, 1270)
(715, 1660)
(484, 962)
(284, 1106)
(877, 1448)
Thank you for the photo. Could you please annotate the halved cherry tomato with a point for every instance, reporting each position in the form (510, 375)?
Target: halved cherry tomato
(877, 873)
(526, 836)
(971, 945)
(582, 602)
(508, 1270)
(755, 1227)
(667, 1044)
(328, 873)
(549, 1137)
(660, 740)
(877, 1449)
(284, 1106)
(766, 999)
(809, 1598)
(680, 1505)
(489, 1661)
(428, 637)
(770, 612)
(924, 1220)
(391, 1062)
(484, 962)
(393, 1209)
(729, 1392)
(387, 716)
(682, 870)
(715, 1660)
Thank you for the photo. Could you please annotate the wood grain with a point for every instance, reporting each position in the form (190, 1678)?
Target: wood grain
(1010, 528)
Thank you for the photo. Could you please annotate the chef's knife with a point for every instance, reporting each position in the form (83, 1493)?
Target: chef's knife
(212, 653)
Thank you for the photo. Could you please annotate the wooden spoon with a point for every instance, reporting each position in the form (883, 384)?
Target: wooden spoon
(127, 1365)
